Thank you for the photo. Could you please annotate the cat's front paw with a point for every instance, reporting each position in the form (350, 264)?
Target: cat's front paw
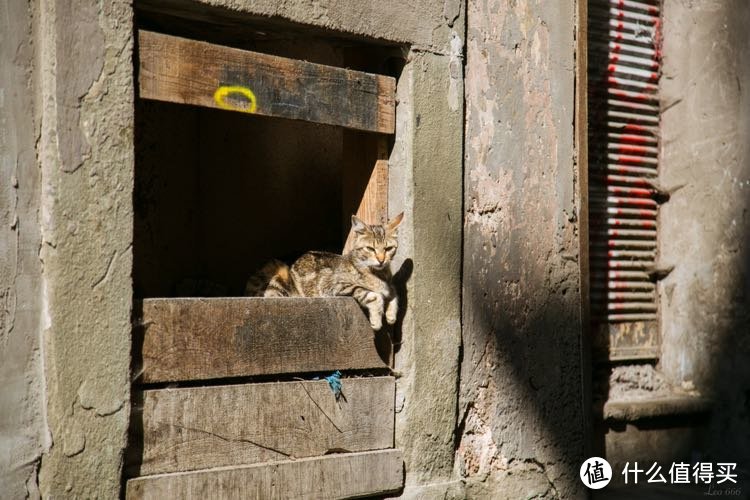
(391, 312)
(376, 322)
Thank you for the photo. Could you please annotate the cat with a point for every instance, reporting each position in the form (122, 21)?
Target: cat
(363, 273)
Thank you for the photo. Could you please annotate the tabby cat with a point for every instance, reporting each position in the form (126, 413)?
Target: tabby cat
(363, 273)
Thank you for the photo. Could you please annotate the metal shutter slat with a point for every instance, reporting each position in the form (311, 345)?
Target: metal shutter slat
(624, 116)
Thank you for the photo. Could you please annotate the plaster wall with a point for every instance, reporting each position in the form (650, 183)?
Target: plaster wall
(425, 25)
(521, 421)
(705, 227)
(428, 187)
(66, 110)
(85, 150)
(23, 432)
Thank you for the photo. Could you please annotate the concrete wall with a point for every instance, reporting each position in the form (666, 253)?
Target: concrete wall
(521, 419)
(428, 187)
(705, 227)
(504, 416)
(85, 150)
(424, 25)
(23, 435)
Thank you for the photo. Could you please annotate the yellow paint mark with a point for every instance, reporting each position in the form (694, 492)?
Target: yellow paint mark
(225, 91)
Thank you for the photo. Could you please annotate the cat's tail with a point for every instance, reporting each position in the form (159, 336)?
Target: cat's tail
(272, 280)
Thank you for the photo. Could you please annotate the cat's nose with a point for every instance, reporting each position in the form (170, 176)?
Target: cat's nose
(380, 257)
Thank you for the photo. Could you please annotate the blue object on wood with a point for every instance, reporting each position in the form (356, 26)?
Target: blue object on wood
(334, 381)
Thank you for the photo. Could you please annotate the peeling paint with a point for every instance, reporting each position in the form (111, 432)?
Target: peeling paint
(455, 85)
(520, 376)
(86, 155)
(478, 453)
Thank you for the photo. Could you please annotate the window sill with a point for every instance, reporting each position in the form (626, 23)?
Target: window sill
(668, 406)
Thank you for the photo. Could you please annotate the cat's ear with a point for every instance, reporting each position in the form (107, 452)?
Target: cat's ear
(394, 223)
(358, 226)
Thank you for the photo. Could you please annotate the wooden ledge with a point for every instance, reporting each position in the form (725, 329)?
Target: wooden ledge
(200, 338)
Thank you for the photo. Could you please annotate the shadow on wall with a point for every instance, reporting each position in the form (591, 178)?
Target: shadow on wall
(727, 314)
(521, 427)
(706, 300)
(520, 413)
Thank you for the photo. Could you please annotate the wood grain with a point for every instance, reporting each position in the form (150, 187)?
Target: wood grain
(630, 341)
(344, 475)
(202, 427)
(365, 181)
(198, 339)
(187, 71)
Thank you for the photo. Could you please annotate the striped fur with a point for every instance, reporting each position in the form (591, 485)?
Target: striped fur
(363, 273)
(272, 280)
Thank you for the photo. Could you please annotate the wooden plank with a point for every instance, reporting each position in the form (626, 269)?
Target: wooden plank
(187, 71)
(345, 475)
(202, 427)
(198, 339)
(627, 341)
(633, 341)
(365, 181)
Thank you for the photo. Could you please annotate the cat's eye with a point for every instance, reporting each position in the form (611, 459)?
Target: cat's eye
(390, 248)
(369, 249)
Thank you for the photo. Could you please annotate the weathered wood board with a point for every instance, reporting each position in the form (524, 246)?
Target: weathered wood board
(202, 427)
(199, 339)
(365, 181)
(343, 475)
(628, 341)
(187, 71)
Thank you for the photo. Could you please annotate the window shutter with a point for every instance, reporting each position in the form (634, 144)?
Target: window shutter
(624, 68)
